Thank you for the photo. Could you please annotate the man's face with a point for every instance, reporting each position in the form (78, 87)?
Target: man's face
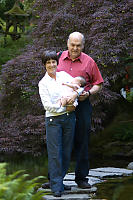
(75, 46)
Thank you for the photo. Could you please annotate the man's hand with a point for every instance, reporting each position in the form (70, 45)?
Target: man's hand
(83, 96)
(93, 90)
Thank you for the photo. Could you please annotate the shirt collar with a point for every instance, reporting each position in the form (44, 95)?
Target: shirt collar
(48, 77)
(66, 56)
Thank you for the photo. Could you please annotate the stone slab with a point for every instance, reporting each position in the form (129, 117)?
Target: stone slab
(95, 176)
(102, 175)
(130, 166)
(73, 190)
(106, 172)
(71, 183)
(114, 170)
(80, 190)
(68, 197)
(110, 172)
(74, 194)
(69, 180)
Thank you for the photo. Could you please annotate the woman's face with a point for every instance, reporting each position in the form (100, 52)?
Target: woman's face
(51, 66)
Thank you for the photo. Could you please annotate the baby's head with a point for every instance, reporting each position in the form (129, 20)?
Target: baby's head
(79, 80)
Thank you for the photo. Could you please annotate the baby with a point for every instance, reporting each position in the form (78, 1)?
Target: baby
(77, 84)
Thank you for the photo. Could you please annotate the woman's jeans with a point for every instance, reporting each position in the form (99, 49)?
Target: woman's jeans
(59, 135)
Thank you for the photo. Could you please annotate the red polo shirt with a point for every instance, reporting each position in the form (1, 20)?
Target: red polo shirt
(84, 66)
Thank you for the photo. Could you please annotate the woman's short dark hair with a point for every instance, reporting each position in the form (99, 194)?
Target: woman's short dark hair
(48, 55)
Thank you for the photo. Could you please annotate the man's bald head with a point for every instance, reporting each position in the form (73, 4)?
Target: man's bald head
(77, 35)
(75, 44)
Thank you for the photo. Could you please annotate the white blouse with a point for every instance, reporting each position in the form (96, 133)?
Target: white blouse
(51, 91)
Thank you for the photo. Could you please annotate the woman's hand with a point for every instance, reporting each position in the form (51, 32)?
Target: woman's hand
(70, 108)
(72, 98)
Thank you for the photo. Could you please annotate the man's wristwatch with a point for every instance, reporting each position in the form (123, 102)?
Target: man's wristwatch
(89, 92)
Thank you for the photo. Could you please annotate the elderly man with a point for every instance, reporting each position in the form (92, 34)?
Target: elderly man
(76, 63)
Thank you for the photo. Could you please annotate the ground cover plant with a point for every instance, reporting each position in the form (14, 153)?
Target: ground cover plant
(18, 186)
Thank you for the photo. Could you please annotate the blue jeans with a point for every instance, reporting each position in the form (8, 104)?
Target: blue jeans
(59, 136)
(81, 140)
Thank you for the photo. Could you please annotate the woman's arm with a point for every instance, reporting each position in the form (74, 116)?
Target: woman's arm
(47, 101)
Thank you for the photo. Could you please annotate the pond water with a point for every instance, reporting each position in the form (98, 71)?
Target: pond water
(116, 189)
(112, 189)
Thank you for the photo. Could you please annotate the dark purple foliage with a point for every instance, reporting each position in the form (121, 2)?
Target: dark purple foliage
(22, 134)
(107, 29)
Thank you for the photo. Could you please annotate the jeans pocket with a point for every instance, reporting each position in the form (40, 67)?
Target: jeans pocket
(49, 121)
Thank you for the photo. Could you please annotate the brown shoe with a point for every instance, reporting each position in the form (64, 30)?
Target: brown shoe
(46, 185)
(83, 185)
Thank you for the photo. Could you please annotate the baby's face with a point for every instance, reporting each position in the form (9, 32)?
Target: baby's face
(76, 81)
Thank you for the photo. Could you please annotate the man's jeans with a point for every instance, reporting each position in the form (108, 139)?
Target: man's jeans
(59, 136)
(81, 140)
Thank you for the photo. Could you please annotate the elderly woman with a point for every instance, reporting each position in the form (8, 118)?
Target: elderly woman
(60, 121)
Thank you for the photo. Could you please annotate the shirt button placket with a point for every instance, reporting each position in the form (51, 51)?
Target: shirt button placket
(71, 67)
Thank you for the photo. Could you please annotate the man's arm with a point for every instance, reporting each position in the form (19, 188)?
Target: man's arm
(93, 90)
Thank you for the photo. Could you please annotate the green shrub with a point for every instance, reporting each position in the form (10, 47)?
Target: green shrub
(17, 186)
(124, 132)
(12, 48)
(130, 96)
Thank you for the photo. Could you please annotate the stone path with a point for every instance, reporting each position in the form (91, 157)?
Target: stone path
(95, 176)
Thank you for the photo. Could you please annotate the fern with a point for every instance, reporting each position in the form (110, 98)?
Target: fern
(17, 186)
